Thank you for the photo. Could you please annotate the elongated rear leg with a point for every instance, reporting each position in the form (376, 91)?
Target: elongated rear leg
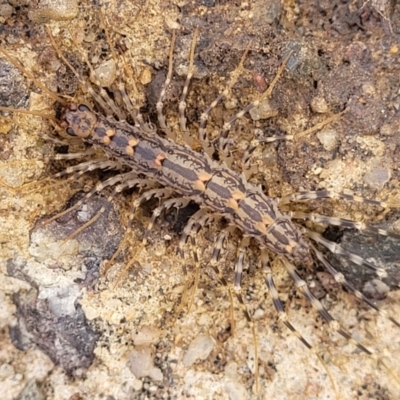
(329, 194)
(340, 278)
(238, 293)
(303, 288)
(345, 223)
(269, 280)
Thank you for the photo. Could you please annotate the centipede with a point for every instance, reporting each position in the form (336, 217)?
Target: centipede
(213, 282)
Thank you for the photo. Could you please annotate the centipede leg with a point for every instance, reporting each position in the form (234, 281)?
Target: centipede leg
(182, 100)
(345, 223)
(224, 142)
(156, 193)
(340, 278)
(126, 179)
(176, 202)
(160, 103)
(269, 280)
(329, 194)
(238, 293)
(196, 221)
(214, 265)
(302, 286)
(207, 146)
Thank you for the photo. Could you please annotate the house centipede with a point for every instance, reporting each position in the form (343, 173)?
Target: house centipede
(129, 141)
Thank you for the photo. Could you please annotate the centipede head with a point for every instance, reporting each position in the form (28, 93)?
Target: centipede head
(79, 120)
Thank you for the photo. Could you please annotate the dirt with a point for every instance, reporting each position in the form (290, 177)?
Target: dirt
(345, 55)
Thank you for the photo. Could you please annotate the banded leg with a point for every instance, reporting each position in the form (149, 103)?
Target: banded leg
(284, 317)
(75, 171)
(182, 100)
(156, 193)
(160, 103)
(335, 248)
(345, 223)
(328, 194)
(207, 147)
(98, 188)
(223, 139)
(176, 202)
(238, 293)
(340, 278)
(104, 104)
(197, 221)
(302, 286)
(126, 181)
(73, 156)
(253, 145)
(256, 142)
(214, 265)
(319, 126)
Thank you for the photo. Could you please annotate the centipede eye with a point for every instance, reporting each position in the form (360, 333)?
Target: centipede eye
(71, 132)
(82, 107)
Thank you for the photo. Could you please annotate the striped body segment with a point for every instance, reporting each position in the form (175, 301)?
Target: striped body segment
(194, 175)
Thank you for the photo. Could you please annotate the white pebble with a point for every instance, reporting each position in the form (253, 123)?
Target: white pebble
(199, 349)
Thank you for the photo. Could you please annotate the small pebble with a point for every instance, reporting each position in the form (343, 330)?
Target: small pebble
(141, 364)
(328, 139)
(377, 176)
(263, 111)
(5, 11)
(318, 104)
(105, 73)
(147, 334)
(56, 10)
(199, 349)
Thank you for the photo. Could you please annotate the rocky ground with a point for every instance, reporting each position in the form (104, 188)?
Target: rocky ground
(67, 333)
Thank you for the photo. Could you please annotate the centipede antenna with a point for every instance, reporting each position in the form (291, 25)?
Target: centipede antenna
(319, 126)
(99, 100)
(27, 112)
(27, 73)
